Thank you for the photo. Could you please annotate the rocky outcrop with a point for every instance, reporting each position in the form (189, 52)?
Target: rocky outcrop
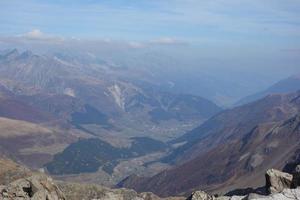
(36, 187)
(75, 191)
(281, 186)
(200, 195)
(276, 180)
(22, 184)
(11, 171)
(42, 187)
(286, 194)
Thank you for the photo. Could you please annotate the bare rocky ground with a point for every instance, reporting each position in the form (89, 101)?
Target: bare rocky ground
(17, 182)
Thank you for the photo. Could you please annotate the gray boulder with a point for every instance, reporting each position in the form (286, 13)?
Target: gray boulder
(276, 181)
(200, 195)
(36, 187)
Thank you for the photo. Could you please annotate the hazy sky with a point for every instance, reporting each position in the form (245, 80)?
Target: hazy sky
(270, 21)
(242, 39)
(258, 34)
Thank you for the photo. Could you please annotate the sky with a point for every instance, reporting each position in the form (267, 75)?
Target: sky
(239, 33)
(255, 39)
(196, 21)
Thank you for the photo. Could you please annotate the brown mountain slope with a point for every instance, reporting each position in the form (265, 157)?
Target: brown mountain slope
(234, 124)
(131, 104)
(33, 144)
(11, 171)
(12, 107)
(236, 155)
(15, 109)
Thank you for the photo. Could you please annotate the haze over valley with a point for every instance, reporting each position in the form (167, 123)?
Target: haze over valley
(170, 100)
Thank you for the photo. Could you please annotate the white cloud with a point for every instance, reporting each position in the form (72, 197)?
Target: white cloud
(136, 45)
(167, 41)
(37, 34)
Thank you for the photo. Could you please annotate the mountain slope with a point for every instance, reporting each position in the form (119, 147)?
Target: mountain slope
(90, 154)
(68, 89)
(290, 84)
(94, 101)
(16, 109)
(235, 123)
(232, 149)
(32, 144)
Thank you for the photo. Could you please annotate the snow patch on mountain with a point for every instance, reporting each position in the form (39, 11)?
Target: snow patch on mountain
(118, 96)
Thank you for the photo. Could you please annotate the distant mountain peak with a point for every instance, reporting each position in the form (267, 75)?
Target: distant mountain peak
(290, 84)
(12, 54)
(26, 54)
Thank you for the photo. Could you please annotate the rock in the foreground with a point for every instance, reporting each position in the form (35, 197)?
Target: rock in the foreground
(281, 186)
(276, 180)
(35, 187)
(286, 194)
(41, 187)
(18, 183)
(200, 195)
(76, 191)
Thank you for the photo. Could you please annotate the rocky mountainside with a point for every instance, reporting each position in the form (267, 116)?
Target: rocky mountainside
(231, 150)
(17, 182)
(236, 123)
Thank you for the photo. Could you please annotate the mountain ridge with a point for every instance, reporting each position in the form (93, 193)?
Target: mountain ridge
(290, 84)
(228, 156)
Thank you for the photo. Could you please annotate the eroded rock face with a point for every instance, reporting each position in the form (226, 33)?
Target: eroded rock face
(35, 187)
(276, 180)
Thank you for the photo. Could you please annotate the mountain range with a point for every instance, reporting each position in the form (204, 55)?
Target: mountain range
(88, 120)
(62, 88)
(230, 150)
(52, 106)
